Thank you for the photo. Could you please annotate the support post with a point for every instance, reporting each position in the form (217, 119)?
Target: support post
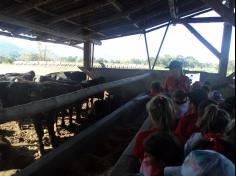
(203, 40)
(159, 51)
(93, 50)
(147, 49)
(87, 55)
(225, 49)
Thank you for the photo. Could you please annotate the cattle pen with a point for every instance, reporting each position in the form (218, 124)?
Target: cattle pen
(100, 147)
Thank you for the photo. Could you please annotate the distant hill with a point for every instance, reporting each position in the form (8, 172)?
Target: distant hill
(9, 49)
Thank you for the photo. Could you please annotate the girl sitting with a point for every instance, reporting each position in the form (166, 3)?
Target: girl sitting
(162, 115)
(212, 124)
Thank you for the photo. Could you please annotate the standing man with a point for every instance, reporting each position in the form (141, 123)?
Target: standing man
(176, 79)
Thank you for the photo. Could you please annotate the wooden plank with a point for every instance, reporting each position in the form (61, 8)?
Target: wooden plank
(78, 12)
(203, 40)
(119, 8)
(32, 108)
(222, 10)
(36, 39)
(123, 14)
(36, 5)
(61, 157)
(25, 6)
(44, 29)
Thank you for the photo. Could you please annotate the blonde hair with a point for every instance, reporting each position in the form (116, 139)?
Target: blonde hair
(161, 110)
(213, 120)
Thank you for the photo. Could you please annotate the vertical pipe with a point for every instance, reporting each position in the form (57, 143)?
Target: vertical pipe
(159, 51)
(93, 49)
(147, 49)
(87, 54)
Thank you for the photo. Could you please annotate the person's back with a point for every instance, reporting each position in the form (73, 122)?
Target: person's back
(187, 125)
(161, 150)
(212, 124)
(162, 114)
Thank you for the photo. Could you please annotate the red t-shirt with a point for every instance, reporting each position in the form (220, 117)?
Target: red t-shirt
(149, 169)
(186, 127)
(138, 150)
(173, 83)
(153, 94)
(214, 142)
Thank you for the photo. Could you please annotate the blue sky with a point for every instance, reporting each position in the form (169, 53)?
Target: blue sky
(179, 41)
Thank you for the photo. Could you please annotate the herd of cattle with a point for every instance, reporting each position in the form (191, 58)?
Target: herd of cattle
(17, 89)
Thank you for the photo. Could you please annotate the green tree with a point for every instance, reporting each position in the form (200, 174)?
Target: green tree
(231, 66)
(26, 56)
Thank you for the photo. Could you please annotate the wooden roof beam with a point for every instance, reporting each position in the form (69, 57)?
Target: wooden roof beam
(78, 12)
(44, 29)
(69, 21)
(124, 13)
(119, 8)
(30, 6)
(222, 10)
(24, 7)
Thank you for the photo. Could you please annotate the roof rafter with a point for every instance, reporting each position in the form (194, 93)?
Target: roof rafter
(78, 12)
(23, 7)
(44, 29)
(119, 8)
(31, 5)
(124, 13)
(45, 39)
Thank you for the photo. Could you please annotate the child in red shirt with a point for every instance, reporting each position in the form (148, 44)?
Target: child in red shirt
(187, 124)
(161, 150)
(156, 89)
(212, 124)
(162, 114)
(176, 79)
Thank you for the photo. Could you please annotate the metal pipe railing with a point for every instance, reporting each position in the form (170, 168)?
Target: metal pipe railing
(36, 107)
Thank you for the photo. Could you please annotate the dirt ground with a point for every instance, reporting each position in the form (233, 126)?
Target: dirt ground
(39, 70)
(24, 145)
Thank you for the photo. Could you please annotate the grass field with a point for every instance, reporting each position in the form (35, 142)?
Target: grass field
(51, 68)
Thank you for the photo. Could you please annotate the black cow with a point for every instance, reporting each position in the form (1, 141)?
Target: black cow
(60, 81)
(99, 110)
(18, 77)
(94, 82)
(73, 76)
(12, 94)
